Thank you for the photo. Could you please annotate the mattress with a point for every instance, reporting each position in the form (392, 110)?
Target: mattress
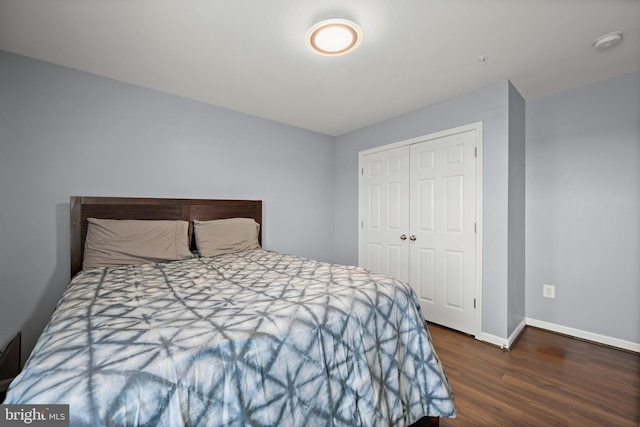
(250, 338)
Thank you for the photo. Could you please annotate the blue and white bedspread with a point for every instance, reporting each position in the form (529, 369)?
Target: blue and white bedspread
(253, 338)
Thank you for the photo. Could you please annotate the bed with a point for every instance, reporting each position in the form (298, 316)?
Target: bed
(244, 337)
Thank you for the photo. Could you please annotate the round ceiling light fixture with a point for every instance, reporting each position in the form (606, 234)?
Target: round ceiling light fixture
(334, 37)
(608, 40)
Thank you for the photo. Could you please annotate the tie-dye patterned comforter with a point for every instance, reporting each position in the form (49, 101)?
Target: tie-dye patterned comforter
(251, 338)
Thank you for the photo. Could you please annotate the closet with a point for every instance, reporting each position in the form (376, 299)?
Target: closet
(420, 202)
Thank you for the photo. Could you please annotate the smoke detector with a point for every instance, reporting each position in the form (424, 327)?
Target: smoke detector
(608, 40)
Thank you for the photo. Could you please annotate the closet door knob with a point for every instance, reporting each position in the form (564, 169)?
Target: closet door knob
(413, 237)
(403, 237)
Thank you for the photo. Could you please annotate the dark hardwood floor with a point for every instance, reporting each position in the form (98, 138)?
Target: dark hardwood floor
(546, 380)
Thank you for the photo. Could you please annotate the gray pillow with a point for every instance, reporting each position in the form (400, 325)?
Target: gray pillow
(222, 236)
(113, 242)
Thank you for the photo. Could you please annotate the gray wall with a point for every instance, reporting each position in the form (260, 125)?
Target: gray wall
(65, 132)
(583, 207)
(516, 298)
(489, 105)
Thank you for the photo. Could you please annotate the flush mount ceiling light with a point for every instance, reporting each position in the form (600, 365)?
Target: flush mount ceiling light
(334, 37)
(607, 41)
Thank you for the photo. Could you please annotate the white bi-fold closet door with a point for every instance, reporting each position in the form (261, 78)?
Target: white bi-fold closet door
(419, 208)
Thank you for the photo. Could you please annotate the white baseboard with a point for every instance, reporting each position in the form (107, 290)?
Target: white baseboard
(589, 336)
(493, 339)
(502, 342)
(565, 330)
(516, 333)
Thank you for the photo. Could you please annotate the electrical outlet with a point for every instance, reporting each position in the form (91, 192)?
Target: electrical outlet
(548, 291)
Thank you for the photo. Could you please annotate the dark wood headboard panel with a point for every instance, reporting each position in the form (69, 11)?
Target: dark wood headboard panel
(146, 208)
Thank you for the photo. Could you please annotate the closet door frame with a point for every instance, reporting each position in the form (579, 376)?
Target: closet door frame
(477, 127)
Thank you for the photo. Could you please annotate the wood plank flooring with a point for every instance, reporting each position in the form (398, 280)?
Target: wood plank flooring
(546, 380)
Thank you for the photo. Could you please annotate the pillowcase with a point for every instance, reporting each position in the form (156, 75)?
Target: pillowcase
(113, 242)
(223, 236)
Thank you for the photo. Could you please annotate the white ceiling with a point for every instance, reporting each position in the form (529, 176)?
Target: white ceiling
(250, 55)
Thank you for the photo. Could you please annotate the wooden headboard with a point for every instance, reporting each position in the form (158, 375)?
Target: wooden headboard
(146, 208)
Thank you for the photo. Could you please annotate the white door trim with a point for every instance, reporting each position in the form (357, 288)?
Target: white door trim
(479, 222)
(477, 127)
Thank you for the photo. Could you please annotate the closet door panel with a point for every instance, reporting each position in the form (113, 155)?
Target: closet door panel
(442, 217)
(426, 286)
(385, 215)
